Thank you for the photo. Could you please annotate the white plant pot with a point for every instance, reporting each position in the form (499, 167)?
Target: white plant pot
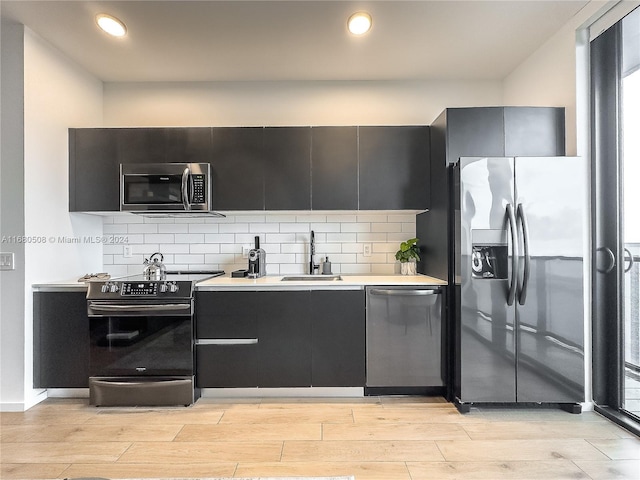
(408, 268)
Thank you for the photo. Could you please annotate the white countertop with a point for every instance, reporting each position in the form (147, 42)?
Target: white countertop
(274, 282)
(348, 282)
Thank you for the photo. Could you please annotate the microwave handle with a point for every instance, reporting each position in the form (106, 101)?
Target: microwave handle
(186, 176)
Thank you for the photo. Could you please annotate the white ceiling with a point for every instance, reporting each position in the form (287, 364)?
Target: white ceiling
(296, 40)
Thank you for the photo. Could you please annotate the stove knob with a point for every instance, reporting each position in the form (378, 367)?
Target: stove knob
(114, 288)
(104, 288)
(173, 288)
(163, 287)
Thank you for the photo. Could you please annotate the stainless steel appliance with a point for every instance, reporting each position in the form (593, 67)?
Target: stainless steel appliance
(142, 341)
(257, 257)
(404, 338)
(519, 288)
(165, 187)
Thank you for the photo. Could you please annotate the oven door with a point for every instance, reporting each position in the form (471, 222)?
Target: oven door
(141, 339)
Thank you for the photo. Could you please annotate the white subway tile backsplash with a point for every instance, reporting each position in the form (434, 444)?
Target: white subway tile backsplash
(217, 243)
(295, 227)
(111, 228)
(190, 238)
(204, 248)
(355, 227)
(264, 227)
(234, 228)
(189, 259)
(143, 228)
(157, 238)
(219, 238)
(341, 237)
(372, 237)
(204, 228)
(173, 228)
(386, 227)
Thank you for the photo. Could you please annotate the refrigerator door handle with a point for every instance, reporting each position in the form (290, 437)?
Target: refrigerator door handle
(521, 218)
(514, 255)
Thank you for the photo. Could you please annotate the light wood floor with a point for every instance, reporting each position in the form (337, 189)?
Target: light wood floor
(371, 438)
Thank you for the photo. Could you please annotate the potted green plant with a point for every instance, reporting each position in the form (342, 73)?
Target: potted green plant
(407, 255)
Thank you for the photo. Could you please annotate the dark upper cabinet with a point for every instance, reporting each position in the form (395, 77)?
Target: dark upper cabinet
(474, 132)
(141, 145)
(60, 340)
(534, 131)
(394, 167)
(287, 164)
(256, 168)
(94, 172)
(334, 163)
(237, 168)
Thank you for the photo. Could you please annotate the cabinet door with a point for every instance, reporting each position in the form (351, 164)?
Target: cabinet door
(284, 342)
(226, 314)
(334, 168)
(287, 168)
(60, 340)
(188, 145)
(237, 169)
(94, 170)
(394, 168)
(141, 145)
(534, 131)
(474, 132)
(338, 338)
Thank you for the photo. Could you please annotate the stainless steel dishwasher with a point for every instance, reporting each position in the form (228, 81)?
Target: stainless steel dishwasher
(404, 337)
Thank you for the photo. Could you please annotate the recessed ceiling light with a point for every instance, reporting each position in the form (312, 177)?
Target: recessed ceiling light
(111, 25)
(359, 23)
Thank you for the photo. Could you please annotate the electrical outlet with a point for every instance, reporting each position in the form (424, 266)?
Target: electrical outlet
(6, 261)
(366, 250)
(245, 251)
(127, 251)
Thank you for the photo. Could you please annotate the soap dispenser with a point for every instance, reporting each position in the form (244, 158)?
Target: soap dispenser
(326, 266)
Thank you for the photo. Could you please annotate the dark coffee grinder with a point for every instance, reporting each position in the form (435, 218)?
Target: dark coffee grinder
(256, 261)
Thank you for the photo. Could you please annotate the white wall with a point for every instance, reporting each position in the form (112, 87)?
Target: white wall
(57, 95)
(548, 76)
(12, 217)
(290, 103)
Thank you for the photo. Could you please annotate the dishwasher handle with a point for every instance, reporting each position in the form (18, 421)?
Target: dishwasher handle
(404, 292)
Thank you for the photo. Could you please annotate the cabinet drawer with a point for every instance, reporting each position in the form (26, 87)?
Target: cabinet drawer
(230, 365)
(226, 314)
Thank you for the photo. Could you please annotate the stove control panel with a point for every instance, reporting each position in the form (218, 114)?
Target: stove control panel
(139, 289)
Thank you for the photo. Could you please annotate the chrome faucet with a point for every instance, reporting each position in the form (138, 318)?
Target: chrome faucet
(313, 266)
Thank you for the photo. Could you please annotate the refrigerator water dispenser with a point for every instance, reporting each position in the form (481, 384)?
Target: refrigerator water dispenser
(489, 254)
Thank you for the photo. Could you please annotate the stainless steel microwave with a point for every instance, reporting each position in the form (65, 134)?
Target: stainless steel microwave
(165, 187)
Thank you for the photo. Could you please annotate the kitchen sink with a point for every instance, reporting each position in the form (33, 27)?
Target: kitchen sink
(311, 278)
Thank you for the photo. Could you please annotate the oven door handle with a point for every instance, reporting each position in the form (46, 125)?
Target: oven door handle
(139, 308)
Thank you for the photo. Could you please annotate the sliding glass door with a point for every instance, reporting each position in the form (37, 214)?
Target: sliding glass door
(630, 208)
(615, 92)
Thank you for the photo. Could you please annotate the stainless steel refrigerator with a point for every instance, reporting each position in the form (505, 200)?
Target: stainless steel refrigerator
(518, 265)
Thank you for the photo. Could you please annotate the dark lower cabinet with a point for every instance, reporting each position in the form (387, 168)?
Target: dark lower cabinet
(226, 339)
(60, 340)
(337, 338)
(280, 339)
(284, 341)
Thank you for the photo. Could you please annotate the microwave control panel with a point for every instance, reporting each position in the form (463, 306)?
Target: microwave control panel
(198, 188)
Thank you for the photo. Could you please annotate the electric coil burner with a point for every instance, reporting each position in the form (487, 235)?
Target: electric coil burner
(142, 342)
